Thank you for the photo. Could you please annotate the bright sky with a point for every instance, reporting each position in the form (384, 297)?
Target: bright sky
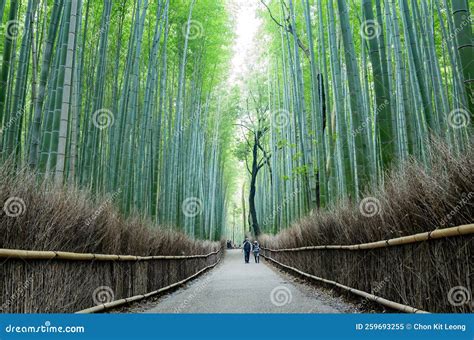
(247, 25)
(244, 60)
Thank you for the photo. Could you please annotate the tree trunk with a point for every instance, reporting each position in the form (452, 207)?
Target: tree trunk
(253, 211)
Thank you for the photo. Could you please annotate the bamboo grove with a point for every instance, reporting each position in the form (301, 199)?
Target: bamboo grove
(118, 97)
(132, 98)
(354, 88)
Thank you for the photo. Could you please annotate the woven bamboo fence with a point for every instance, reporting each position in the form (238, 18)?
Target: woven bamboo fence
(65, 282)
(431, 271)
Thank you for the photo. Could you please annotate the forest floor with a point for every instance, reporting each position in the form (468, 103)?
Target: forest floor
(236, 287)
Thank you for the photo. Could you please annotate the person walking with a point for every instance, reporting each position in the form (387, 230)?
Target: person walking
(256, 251)
(247, 247)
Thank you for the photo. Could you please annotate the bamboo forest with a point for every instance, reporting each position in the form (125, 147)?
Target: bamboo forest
(332, 137)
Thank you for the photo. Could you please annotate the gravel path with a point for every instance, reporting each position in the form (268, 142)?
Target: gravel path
(236, 287)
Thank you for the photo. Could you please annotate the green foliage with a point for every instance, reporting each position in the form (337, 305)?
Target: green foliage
(241, 151)
(132, 96)
(363, 85)
(164, 126)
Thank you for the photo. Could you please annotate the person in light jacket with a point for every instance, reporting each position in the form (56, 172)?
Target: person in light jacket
(256, 251)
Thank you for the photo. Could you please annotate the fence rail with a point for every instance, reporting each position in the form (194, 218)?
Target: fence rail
(62, 255)
(434, 234)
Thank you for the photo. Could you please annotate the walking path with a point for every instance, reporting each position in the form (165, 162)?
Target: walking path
(236, 287)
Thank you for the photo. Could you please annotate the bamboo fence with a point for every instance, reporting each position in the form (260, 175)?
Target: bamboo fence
(391, 304)
(121, 302)
(332, 267)
(55, 281)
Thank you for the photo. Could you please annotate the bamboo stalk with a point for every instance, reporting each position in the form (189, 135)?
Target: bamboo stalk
(434, 234)
(388, 303)
(60, 255)
(120, 302)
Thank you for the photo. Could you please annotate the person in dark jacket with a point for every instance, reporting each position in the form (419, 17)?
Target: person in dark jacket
(247, 248)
